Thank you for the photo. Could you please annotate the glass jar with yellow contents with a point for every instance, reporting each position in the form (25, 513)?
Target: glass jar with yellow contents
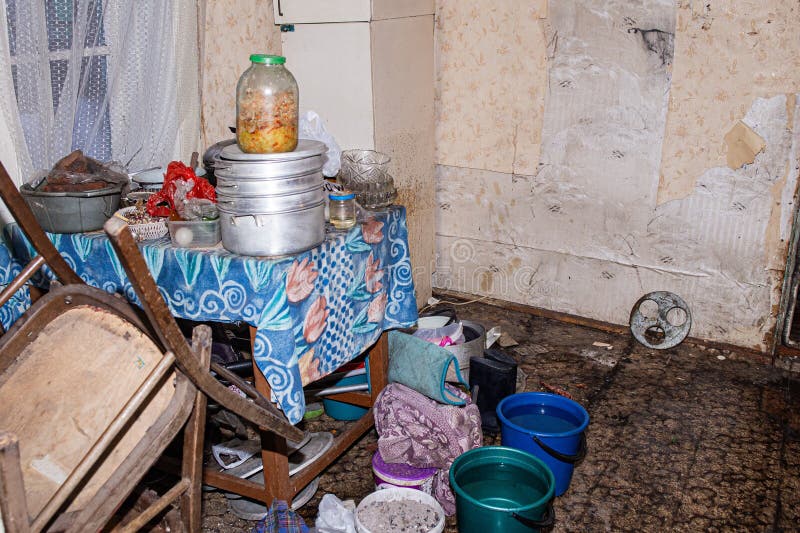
(266, 107)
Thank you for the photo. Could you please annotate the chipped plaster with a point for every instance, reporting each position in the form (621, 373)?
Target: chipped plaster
(608, 213)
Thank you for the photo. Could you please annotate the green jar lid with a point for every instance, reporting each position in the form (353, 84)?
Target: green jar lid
(267, 59)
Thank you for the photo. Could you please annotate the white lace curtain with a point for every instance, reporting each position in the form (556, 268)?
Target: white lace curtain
(115, 78)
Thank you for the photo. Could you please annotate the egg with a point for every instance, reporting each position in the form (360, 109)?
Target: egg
(183, 237)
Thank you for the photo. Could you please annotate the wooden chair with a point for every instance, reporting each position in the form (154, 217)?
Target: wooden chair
(92, 394)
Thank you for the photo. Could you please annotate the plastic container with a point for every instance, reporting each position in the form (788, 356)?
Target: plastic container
(399, 494)
(342, 410)
(549, 426)
(502, 489)
(266, 107)
(443, 336)
(194, 233)
(342, 208)
(72, 212)
(389, 475)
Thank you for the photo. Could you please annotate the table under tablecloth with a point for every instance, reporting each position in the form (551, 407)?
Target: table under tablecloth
(313, 311)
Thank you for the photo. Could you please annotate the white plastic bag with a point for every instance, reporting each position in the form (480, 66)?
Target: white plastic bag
(312, 127)
(336, 516)
(444, 336)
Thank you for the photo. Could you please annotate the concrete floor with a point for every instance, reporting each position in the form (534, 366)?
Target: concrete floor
(687, 439)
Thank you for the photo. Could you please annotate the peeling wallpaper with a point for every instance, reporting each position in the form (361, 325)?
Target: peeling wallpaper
(728, 52)
(233, 30)
(589, 222)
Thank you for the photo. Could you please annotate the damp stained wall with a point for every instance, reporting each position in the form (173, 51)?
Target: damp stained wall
(232, 30)
(582, 158)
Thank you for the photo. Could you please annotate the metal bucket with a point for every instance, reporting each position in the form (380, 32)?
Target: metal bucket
(473, 346)
(273, 234)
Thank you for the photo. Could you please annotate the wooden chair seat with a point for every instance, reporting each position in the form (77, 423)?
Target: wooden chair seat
(66, 386)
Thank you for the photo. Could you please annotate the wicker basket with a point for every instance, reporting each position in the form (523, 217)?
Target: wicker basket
(146, 231)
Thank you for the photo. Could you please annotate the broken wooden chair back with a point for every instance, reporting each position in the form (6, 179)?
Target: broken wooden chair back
(92, 394)
(48, 254)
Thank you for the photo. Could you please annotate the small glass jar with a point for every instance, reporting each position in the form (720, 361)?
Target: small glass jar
(342, 209)
(267, 102)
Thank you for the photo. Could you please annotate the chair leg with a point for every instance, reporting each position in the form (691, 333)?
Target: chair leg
(193, 433)
(191, 501)
(13, 507)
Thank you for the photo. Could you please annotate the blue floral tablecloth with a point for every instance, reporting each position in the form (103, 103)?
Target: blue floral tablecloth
(313, 311)
(13, 309)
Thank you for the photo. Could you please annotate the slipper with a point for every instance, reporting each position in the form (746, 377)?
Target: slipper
(248, 509)
(251, 469)
(234, 452)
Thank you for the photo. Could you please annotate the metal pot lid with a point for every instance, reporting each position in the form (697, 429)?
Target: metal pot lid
(214, 150)
(27, 190)
(305, 148)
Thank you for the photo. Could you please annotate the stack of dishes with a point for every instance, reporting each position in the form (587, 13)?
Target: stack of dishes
(271, 204)
(150, 179)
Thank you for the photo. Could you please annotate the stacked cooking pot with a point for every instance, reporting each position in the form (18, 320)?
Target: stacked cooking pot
(271, 204)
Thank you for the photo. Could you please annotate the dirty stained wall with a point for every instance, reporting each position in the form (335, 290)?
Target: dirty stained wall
(232, 30)
(582, 158)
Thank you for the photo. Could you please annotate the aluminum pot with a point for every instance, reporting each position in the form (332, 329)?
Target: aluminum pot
(72, 212)
(267, 169)
(236, 186)
(210, 155)
(279, 203)
(273, 234)
(305, 148)
(473, 346)
(307, 157)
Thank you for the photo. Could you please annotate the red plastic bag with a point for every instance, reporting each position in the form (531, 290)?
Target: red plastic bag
(162, 203)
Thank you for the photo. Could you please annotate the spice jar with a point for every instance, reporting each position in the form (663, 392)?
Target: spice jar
(342, 209)
(266, 107)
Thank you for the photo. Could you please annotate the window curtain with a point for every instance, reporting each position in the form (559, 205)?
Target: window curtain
(115, 78)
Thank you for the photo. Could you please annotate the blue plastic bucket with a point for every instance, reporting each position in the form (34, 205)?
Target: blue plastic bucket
(549, 426)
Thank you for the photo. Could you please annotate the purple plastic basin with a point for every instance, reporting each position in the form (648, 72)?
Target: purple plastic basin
(401, 475)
